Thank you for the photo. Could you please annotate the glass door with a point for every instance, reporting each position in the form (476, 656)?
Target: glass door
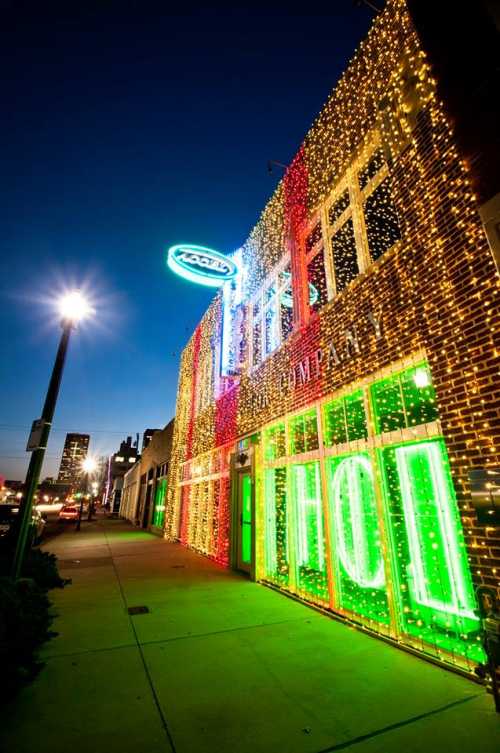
(245, 521)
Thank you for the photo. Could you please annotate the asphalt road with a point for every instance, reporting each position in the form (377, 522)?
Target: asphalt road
(54, 526)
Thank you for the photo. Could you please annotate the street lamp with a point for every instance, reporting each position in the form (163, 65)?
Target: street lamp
(73, 307)
(88, 466)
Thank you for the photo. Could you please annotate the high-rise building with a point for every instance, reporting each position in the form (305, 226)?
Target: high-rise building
(74, 453)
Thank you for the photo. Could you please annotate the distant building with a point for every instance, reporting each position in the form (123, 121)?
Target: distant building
(53, 489)
(119, 464)
(145, 484)
(74, 453)
(147, 437)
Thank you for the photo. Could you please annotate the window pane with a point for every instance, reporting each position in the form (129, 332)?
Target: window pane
(374, 164)
(276, 535)
(345, 260)
(419, 396)
(270, 292)
(433, 580)
(318, 293)
(271, 334)
(405, 399)
(313, 238)
(359, 564)
(297, 435)
(355, 416)
(381, 220)
(311, 431)
(345, 419)
(285, 277)
(286, 318)
(338, 207)
(335, 428)
(388, 405)
(274, 442)
(304, 433)
(309, 539)
(257, 352)
(286, 303)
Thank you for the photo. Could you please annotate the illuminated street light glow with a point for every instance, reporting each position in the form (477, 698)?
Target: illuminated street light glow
(200, 264)
(89, 465)
(74, 307)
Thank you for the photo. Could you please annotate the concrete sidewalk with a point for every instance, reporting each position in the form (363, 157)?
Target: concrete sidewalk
(222, 665)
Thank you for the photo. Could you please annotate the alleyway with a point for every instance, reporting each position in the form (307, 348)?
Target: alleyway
(220, 664)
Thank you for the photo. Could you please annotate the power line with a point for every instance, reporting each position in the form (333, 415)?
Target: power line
(123, 432)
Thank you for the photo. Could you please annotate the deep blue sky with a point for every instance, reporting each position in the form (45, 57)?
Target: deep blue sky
(125, 130)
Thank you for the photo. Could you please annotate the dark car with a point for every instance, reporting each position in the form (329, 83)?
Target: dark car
(8, 516)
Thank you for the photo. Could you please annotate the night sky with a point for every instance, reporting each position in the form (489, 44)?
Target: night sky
(125, 130)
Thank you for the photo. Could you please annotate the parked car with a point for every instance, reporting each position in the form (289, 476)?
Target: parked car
(8, 516)
(69, 512)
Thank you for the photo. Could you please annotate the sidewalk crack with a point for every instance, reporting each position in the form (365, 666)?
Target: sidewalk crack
(398, 725)
(143, 658)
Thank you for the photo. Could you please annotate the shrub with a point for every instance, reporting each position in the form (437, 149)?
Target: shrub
(38, 565)
(42, 568)
(25, 620)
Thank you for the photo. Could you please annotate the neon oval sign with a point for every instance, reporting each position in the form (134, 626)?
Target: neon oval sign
(201, 265)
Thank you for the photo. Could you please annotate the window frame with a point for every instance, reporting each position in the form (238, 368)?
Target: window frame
(273, 278)
(355, 211)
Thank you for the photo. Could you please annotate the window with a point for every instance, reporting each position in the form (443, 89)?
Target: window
(304, 433)
(428, 552)
(361, 217)
(403, 400)
(345, 419)
(274, 442)
(276, 526)
(345, 256)
(391, 511)
(315, 263)
(359, 563)
(233, 340)
(272, 315)
(310, 555)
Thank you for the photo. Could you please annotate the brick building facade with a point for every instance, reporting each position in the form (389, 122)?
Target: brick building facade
(145, 484)
(335, 402)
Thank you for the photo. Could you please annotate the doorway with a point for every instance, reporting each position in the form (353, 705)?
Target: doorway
(244, 543)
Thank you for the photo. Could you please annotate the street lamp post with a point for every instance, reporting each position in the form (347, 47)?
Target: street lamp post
(72, 308)
(80, 510)
(89, 465)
